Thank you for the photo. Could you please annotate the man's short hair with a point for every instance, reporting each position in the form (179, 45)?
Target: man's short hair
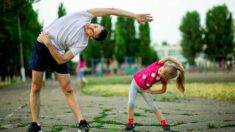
(102, 35)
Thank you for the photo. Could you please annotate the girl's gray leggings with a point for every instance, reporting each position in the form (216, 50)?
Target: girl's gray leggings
(147, 97)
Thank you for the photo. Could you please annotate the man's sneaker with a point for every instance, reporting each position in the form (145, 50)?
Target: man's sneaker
(34, 127)
(166, 128)
(83, 126)
(130, 127)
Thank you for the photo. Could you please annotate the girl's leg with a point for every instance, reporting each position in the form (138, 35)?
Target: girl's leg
(149, 100)
(79, 79)
(131, 102)
(83, 77)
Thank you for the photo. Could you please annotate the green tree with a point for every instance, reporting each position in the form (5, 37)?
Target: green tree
(219, 33)
(18, 20)
(164, 43)
(131, 46)
(107, 47)
(234, 37)
(30, 30)
(192, 32)
(147, 54)
(61, 10)
(120, 42)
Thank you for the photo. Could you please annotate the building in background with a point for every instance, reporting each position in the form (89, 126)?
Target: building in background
(173, 50)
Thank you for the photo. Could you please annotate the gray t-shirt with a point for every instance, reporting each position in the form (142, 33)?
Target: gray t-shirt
(68, 32)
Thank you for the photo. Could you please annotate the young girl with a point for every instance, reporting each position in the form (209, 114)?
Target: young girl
(80, 71)
(143, 81)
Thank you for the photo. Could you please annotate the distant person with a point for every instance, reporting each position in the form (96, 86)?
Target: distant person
(58, 44)
(80, 71)
(143, 81)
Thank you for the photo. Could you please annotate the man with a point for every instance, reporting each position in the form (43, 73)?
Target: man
(68, 32)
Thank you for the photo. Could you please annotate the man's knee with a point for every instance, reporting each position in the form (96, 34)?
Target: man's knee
(36, 86)
(67, 88)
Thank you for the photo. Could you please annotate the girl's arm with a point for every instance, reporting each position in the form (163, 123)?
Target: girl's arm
(163, 60)
(163, 90)
(177, 63)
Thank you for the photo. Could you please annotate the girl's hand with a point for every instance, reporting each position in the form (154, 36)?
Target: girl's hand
(148, 91)
(44, 38)
(142, 18)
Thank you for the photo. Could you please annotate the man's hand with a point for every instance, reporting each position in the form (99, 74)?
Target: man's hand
(142, 18)
(44, 38)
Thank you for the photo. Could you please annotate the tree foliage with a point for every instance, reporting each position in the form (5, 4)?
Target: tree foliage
(131, 45)
(219, 33)
(107, 46)
(13, 13)
(120, 41)
(147, 54)
(192, 32)
(61, 10)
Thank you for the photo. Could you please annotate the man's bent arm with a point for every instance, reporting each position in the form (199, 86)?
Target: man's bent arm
(60, 59)
(45, 39)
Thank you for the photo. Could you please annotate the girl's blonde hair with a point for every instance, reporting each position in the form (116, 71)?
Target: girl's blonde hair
(176, 72)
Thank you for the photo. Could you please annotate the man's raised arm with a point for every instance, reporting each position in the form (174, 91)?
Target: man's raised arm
(141, 18)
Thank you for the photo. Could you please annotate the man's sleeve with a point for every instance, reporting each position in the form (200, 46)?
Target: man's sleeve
(76, 50)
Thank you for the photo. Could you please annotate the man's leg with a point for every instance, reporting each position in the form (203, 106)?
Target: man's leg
(37, 81)
(64, 80)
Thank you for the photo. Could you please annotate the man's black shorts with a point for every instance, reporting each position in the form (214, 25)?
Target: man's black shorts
(41, 59)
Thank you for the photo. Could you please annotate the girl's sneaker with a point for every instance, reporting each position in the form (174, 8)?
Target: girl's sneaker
(166, 128)
(34, 127)
(130, 128)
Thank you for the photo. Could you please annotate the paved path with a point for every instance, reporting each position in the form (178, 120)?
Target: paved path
(108, 114)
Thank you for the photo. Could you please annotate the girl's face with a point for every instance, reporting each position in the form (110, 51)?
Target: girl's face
(164, 71)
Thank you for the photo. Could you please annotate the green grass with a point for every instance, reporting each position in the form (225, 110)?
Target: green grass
(110, 80)
(219, 91)
(13, 82)
(119, 86)
(6, 83)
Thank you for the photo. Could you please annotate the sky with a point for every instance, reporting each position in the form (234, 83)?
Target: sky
(167, 14)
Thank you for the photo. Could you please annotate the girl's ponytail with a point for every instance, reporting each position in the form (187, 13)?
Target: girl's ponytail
(180, 81)
(173, 72)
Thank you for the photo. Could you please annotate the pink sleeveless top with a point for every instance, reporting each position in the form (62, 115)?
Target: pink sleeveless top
(148, 76)
(82, 65)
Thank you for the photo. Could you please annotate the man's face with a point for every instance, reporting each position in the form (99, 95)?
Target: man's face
(93, 30)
